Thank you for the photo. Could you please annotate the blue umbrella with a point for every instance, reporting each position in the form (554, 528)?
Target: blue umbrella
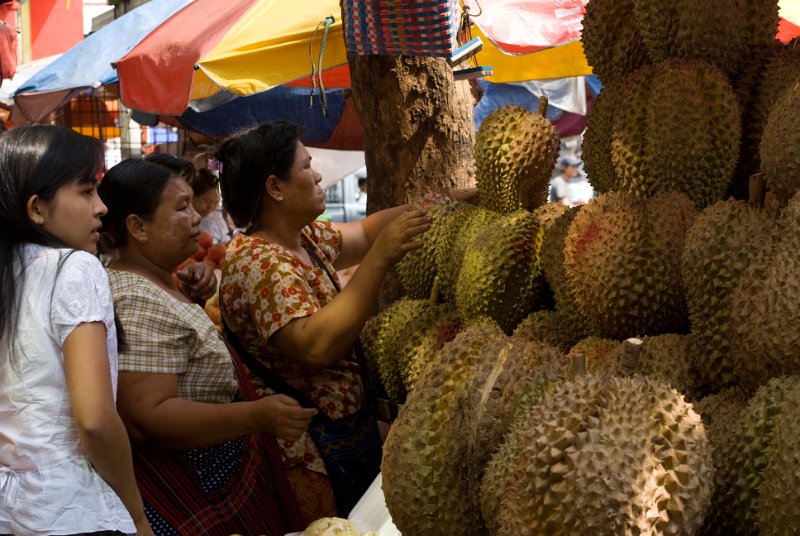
(87, 65)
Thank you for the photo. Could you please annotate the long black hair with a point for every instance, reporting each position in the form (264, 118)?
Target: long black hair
(35, 160)
(247, 159)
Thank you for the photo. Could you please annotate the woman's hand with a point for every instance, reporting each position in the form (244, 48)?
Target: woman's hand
(282, 416)
(197, 281)
(399, 237)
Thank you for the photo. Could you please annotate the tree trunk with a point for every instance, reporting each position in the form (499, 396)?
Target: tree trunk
(418, 129)
(418, 133)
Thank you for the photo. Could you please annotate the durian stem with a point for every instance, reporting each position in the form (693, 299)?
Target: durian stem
(758, 190)
(543, 106)
(631, 352)
(579, 366)
(436, 290)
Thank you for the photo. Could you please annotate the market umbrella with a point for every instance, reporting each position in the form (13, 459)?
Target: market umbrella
(87, 65)
(202, 58)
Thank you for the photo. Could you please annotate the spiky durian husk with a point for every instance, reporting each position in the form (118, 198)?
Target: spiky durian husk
(780, 145)
(671, 359)
(721, 414)
(549, 327)
(611, 39)
(417, 269)
(778, 511)
(423, 354)
(677, 129)
(402, 326)
(369, 342)
(515, 152)
(764, 315)
(549, 372)
(462, 226)
(720, 245)
(555, 274)
(601, 355)
(757, 432)
(761, 22)
(608, 455)
(500, 276)
(596, 144)
(622, 260)
(423, 484)
(679, 30)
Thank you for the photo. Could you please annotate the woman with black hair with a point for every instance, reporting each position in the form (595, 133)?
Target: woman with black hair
(282, 306)
(203, 459)
(65, 460)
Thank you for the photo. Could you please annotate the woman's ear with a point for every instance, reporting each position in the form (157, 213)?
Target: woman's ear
(137, 228)
(274, 187)
(35, 209)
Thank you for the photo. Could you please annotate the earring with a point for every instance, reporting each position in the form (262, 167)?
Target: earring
(39, 221)
(143, 239)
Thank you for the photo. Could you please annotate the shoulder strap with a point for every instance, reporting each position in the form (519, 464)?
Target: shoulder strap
(273, 381)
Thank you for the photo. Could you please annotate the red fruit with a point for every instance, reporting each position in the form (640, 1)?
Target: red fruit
(200, 255)
(206, 239)
(216, 252)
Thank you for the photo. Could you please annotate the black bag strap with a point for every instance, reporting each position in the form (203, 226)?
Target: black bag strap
(273, 381)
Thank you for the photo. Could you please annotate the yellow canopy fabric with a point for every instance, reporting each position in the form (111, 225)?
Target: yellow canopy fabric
(253, 58)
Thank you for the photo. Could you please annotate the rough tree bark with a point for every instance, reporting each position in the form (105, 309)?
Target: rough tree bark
(418, 132)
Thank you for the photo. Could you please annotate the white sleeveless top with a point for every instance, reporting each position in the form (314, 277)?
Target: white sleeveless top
(47, 484)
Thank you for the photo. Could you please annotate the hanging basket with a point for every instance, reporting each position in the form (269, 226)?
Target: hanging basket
(407, 27)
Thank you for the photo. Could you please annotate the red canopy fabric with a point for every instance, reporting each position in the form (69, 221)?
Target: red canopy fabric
(8, 51)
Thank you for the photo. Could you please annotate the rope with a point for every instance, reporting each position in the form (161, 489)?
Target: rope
(316, 68)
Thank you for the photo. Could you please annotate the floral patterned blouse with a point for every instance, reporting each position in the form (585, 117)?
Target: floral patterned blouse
(264, 287)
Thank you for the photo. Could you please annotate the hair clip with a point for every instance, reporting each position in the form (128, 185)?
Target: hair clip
(214, 165)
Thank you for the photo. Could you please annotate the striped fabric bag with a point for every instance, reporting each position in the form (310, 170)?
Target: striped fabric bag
(401, 27)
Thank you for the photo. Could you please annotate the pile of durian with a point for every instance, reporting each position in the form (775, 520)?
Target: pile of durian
(624, 367)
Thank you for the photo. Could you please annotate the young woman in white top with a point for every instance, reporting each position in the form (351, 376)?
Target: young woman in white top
(65, 459)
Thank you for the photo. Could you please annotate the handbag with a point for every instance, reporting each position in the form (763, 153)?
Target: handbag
(350, 447)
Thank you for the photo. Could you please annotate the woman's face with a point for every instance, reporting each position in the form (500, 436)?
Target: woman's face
(302, 192)
(173, 232)
(206, 203)
(73, 215)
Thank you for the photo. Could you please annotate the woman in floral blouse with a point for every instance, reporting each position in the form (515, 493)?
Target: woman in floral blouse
(277, 298)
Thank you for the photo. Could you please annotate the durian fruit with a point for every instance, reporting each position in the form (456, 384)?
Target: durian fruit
(671, 359)
(424, 484)
(608, 455)
(601, 355)
(500, 275)
(402, 326)
(422, 355)
(680, 30)
(778, 512)
(611, 39)
(555, 274)
(596, 144)
(780, 75)
(461, 227)
(758, 425)
(720, 245)
(780, 146)
(369, 342)
(515, 152)
(677, 128)
(721, 414)
(417, 269)
(549, 372)
(549, 327)
(764, 313)
(622, 261)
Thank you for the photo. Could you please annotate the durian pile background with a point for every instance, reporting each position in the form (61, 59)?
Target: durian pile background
(524, 411)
